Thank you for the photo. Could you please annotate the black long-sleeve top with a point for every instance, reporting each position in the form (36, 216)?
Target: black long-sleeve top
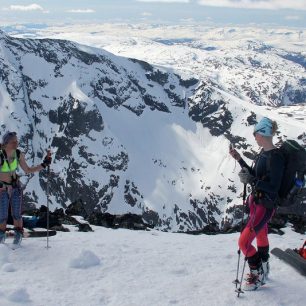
(268, 170)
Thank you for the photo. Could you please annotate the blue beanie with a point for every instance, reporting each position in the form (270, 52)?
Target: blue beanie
(264, 127)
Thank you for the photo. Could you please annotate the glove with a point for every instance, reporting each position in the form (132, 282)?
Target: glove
(47, 161)
(246, 177)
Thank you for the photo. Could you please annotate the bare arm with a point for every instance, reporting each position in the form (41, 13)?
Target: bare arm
(24, 166)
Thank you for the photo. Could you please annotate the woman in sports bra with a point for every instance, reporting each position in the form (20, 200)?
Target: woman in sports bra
(10, 191)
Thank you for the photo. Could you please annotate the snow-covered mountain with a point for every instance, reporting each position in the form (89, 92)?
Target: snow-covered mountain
(250, 69)
(129, 136)
(264, 65)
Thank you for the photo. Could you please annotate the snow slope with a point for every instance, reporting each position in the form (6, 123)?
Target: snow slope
(122, 267)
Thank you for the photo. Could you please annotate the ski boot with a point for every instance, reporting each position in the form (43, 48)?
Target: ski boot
(254, 279)
(18, 234)
(2, 236)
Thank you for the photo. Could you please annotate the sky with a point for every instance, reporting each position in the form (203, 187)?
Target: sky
(288, 13)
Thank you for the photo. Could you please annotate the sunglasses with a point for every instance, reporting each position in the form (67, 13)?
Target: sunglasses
(259, 130)
(11, 134)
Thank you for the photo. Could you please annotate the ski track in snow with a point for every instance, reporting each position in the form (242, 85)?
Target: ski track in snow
(122, 267)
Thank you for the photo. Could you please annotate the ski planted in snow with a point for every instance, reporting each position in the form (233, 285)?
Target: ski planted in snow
(32, 234)
(292, 258)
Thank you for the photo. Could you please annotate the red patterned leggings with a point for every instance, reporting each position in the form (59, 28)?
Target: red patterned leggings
(257, 227)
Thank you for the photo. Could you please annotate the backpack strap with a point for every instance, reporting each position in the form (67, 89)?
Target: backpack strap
(3, 156)
(18, 154)
(255, 160)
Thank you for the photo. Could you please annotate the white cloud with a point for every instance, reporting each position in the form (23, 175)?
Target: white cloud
(146, 14)
(257, 4)
(165, 1)
(82, 11)
(25, 8)
(292, 17)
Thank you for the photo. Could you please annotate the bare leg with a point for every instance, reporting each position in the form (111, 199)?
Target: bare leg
(18, 223)
(3, 226)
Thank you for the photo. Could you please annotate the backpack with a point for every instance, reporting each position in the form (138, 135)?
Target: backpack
(292, 188)
(302, 250)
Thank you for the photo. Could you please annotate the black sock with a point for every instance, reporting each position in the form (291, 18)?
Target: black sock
(264, 253)
(254, 261)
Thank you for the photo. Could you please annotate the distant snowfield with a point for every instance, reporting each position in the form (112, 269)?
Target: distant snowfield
(100, 35)
(183, 47)
(122, 267)
(232, 57)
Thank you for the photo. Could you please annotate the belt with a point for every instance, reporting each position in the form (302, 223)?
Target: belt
(4, 184)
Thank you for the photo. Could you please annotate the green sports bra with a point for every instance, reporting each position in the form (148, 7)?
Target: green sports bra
(7, 167)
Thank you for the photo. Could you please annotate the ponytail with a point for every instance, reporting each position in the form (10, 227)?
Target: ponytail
(274, 127)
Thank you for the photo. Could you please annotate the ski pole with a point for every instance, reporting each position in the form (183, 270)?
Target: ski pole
(236, 281)
(47, 191)
(239, 290)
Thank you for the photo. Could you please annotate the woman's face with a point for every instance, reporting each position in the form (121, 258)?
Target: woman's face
(12, 144)
(259, 139)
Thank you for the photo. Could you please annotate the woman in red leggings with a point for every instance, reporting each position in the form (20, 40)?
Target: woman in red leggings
(265, 177)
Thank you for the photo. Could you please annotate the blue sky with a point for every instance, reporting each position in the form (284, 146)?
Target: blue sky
(273, 12)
